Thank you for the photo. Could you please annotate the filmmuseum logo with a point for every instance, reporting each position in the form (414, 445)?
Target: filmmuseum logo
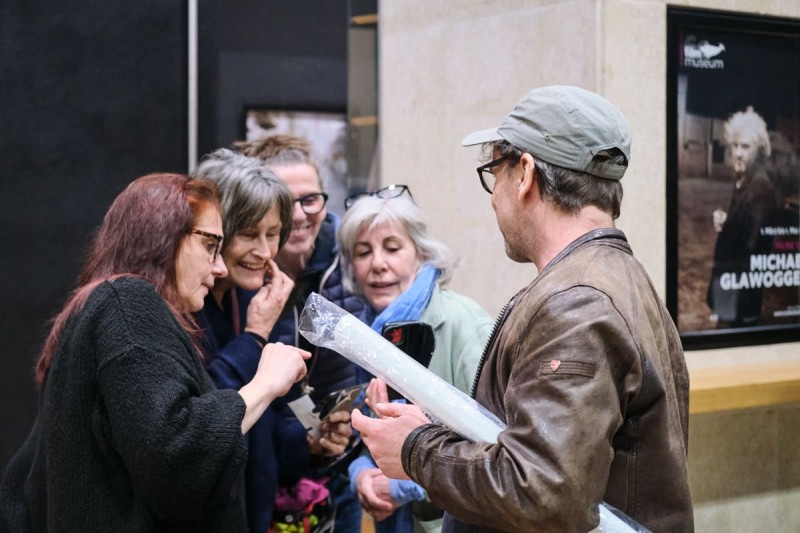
(702, 54)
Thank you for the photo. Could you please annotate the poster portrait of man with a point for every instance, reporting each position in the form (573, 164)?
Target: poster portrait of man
(734, 175)
(741, 225)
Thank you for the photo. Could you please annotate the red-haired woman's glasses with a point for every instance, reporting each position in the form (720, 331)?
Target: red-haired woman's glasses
(211, 241)
(387, 193)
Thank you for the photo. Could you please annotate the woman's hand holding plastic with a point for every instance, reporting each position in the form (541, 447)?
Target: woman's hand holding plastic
(279, 368)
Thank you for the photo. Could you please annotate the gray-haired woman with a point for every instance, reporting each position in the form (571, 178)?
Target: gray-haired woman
(240, 313)
(390, 258)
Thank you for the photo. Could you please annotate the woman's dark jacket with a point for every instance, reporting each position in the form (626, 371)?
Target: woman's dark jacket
(131, 435)
(277, 441)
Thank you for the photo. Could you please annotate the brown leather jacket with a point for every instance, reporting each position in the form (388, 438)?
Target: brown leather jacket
(586, 368)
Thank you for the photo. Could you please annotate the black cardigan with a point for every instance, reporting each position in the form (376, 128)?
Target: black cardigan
(131, 434)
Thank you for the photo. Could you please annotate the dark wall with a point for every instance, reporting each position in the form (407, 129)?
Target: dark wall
(93, 95)
(283, 55)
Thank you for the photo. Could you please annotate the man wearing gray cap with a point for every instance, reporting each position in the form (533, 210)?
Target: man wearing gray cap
(585, 365)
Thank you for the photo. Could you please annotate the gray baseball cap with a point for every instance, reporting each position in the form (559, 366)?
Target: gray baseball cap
(566, 126)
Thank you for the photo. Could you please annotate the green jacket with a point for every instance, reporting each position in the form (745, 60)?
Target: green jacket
(461, 328)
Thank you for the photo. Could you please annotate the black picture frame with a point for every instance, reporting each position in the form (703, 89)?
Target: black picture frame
(718, 63)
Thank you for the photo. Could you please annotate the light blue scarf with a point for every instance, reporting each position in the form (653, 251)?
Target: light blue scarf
(408, 306)
(412, 303)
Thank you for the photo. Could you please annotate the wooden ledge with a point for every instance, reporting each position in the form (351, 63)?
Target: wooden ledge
(743, 386)
(370, 19)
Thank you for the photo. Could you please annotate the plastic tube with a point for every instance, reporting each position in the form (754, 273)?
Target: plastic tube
(325, 324)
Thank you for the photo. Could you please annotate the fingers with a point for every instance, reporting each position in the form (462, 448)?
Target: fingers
(280, 284)
(394, 410)
(338, 417)
(280, 366)
(273, 267)
(334, 442)
(302, 368)
(371, 500)
(377, 392)
(367, 494)
(381, 515)
(338, 434)
(314, 446)
(267, 304)
(360, 422)
(330, 448)
(287, 348)
(337, 426)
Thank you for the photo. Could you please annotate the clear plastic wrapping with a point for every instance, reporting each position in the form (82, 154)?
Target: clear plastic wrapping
(325, 324)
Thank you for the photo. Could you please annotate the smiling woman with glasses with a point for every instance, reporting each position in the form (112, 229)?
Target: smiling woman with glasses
(311, 258)
(388, 192)
(239, 315)
(312, 203)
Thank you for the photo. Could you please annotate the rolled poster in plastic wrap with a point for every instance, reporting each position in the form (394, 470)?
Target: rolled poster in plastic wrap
(325, 324)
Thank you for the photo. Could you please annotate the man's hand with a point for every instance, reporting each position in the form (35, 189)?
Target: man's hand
(385, 436)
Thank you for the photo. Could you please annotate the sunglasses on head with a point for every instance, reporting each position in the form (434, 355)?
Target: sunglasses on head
(387, 193)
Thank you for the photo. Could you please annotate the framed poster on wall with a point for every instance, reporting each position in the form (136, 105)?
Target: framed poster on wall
(733, 177)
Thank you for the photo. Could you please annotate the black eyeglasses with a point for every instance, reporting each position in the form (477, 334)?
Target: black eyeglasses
(387, 193)
(213, 244)
(486, 175)
(311, 204)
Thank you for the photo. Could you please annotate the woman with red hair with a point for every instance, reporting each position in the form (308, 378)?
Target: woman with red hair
(132, 435)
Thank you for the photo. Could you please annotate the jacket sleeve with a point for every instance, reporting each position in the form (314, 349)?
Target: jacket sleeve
(404, 491)
(760, 208)
(179, 438)
(562, 403)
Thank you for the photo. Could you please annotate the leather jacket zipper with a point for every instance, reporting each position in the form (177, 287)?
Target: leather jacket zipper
(497, 323)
